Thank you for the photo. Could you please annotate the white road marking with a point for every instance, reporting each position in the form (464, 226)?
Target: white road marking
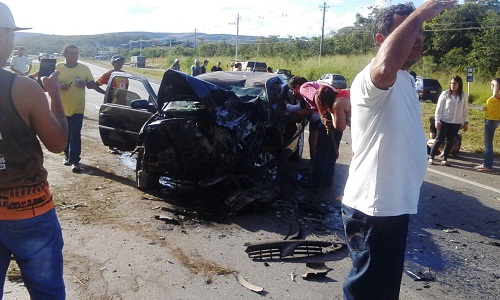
(464, 180)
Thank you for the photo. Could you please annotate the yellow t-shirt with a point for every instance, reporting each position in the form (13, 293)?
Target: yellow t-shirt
(492, 109)
(73, 99)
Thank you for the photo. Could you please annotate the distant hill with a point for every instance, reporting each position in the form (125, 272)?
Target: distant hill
(90, 44)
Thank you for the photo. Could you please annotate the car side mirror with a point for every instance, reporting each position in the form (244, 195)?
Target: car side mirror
(143, 104)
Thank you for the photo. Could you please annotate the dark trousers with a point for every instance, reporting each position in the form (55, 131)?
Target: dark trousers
(447, 134)
(377, 250)
(74, 146)
(324, 159)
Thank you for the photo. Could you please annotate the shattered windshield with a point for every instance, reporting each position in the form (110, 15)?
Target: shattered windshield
(184, 105)
(247, 93)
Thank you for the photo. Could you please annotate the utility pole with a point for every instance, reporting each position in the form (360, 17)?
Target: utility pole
(237, 23)
(195, 41)
(324, 8)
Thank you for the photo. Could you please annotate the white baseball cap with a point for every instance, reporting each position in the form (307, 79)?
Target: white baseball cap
(6, 18)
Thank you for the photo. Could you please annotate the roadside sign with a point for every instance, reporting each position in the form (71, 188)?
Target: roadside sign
(470, 74)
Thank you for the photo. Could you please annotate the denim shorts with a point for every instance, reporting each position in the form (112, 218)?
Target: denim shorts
(36, 244)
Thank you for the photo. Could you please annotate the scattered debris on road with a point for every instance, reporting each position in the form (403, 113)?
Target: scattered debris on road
(316, 269)
(248, 285)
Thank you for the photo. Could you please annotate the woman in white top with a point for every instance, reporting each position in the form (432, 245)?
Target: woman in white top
(451, 115)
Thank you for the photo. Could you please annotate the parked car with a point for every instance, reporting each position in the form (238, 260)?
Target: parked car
(428, 89)
(336, 80)
(199, 131)
(253, 66)
(285, 72)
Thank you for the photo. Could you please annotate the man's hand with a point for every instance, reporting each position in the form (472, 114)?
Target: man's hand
(431, 8)
(51, 84)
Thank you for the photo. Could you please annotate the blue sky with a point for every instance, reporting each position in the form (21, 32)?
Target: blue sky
(257, 17)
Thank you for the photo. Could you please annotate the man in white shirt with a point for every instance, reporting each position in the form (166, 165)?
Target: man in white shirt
(19, 63)
(389, 153)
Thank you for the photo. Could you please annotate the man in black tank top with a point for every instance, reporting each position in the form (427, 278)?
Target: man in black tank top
(29, 229)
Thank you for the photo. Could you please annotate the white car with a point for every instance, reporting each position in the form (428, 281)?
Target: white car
(336, 80)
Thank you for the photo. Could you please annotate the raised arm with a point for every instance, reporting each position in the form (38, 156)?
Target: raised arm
(402, 46)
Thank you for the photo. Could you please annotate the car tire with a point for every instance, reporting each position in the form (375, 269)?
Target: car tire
(145, 180)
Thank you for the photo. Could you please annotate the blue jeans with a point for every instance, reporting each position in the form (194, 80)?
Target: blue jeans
(74, 146)
(324, 159)
(489, 133)
(36, 244)
(377, 250)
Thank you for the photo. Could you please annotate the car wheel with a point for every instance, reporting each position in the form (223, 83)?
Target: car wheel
(145, 180)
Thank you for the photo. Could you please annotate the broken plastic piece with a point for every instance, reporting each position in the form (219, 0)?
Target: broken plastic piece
(294, 231)
(167, 219)
(248, 285)
(316, 269)
(425, 275)
(288, 248)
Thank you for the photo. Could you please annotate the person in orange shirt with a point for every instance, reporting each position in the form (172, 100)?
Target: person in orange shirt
(118, 83)
(117, 61)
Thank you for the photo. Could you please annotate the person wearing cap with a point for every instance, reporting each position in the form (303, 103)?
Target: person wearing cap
(118, 83)
(196, 69)
(75, 77)
(29, 229)
(117, 61)
(203, 67)
(20, 64)
(175, 65)
(216, 68)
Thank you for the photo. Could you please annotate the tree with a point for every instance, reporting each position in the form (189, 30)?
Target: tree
(454, 28)
(485, 54)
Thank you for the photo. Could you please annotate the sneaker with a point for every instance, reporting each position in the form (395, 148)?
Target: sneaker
(482, 168)
(66, 161)
(75, 168)
(445, 163)
(431, 161)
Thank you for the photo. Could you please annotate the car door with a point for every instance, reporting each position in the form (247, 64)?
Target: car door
(119, 123)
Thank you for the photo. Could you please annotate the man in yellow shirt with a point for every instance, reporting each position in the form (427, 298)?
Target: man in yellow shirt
(491, 122)
(74, 78)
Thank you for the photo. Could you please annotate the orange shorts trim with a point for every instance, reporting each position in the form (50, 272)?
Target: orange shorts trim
(25, 202)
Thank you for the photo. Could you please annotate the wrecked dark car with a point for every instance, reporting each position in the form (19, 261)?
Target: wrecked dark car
(199, 131)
